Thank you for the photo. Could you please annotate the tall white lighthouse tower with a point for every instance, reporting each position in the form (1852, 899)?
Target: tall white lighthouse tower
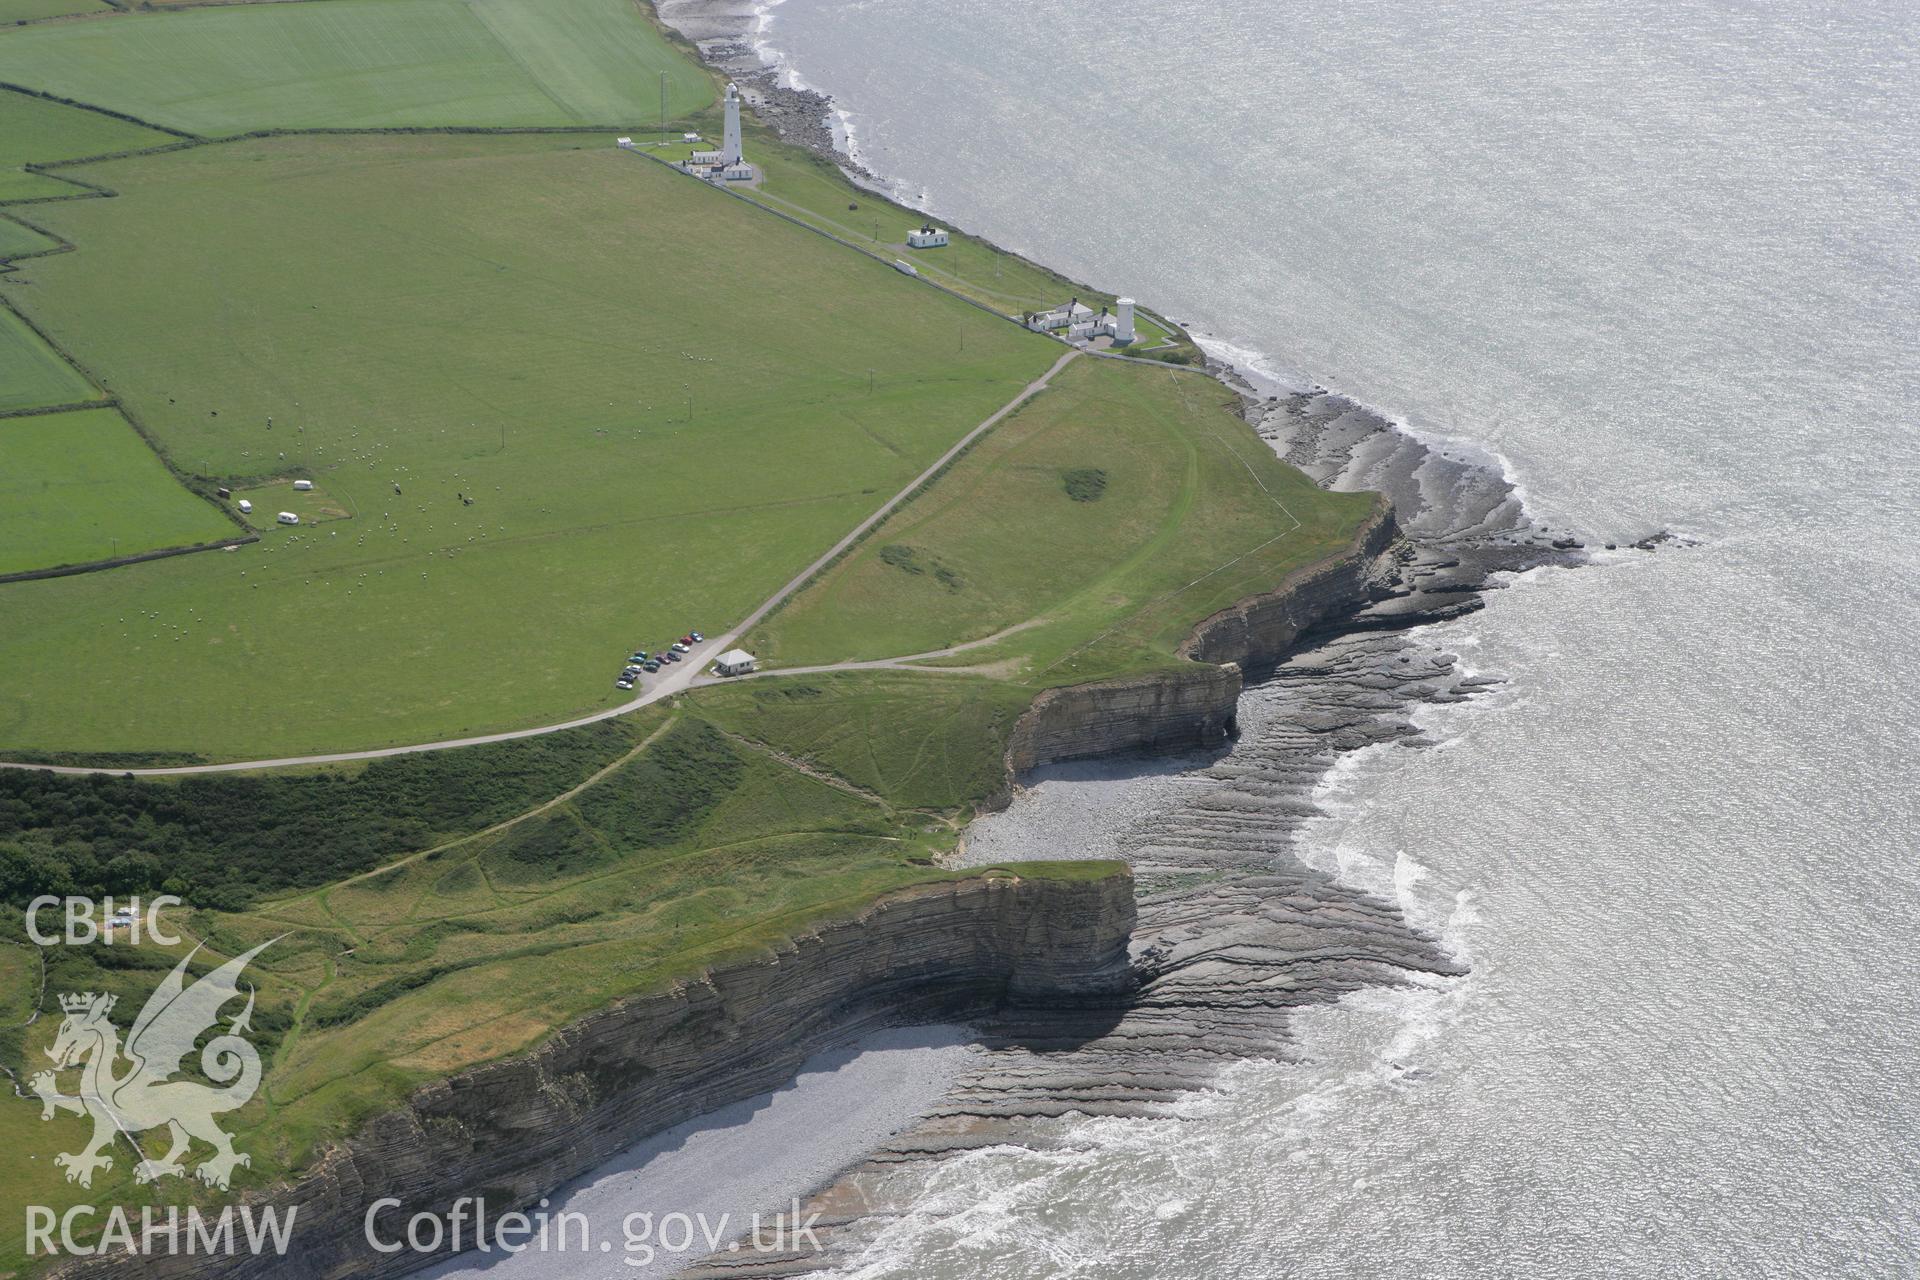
(730, 140)
(1123, 323)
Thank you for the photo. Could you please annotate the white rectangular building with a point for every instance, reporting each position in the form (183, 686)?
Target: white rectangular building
(927, 237)
(734, 662)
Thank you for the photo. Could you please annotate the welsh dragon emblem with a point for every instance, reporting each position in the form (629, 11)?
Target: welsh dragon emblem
(146, 1095)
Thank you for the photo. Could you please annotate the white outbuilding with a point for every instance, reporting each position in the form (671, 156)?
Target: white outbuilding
(734, 662)
(927, 237)
(625, 144)
(288, 517)
(303, 485)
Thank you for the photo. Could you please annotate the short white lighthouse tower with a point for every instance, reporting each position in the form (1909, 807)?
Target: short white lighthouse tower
(730, 140)
(1123, 322)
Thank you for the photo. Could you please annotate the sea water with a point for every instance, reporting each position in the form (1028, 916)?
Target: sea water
(1663, 260)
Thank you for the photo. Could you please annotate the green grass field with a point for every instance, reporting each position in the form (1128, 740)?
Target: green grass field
(518, 322)
(16, 240)
(32, 374)
(1190, 513)
(29, 10)
(36, 131)
(83, 486)
(363, 63)
(18, 184)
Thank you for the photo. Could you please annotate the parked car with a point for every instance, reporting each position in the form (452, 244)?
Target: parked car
(671, 656)
(639, 655)
(623, 684)
(680, 646)
(650, 666)
(696, 636)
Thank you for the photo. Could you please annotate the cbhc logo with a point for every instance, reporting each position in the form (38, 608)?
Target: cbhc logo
(88, 920)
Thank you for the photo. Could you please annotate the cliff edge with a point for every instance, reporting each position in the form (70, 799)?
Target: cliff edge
(511, 1131)
(1193, 709)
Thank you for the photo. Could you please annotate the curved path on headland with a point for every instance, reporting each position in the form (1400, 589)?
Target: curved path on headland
(676, 680)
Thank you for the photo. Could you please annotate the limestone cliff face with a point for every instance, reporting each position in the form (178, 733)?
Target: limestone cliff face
(1166, 711)
(1183, 710)
(1258, 632)
(511, 1131)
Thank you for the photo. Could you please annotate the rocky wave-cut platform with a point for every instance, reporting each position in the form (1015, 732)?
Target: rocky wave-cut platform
(1235, 932)
(1465, 523)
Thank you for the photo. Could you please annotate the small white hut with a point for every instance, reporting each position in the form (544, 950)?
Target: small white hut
(734, 662)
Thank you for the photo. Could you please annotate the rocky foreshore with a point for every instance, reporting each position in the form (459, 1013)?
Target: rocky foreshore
(1046, 951)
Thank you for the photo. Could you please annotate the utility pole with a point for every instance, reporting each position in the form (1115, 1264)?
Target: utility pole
(869, 382)
(663, 106)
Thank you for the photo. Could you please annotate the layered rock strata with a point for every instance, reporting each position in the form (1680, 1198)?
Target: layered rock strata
(512, 1131)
